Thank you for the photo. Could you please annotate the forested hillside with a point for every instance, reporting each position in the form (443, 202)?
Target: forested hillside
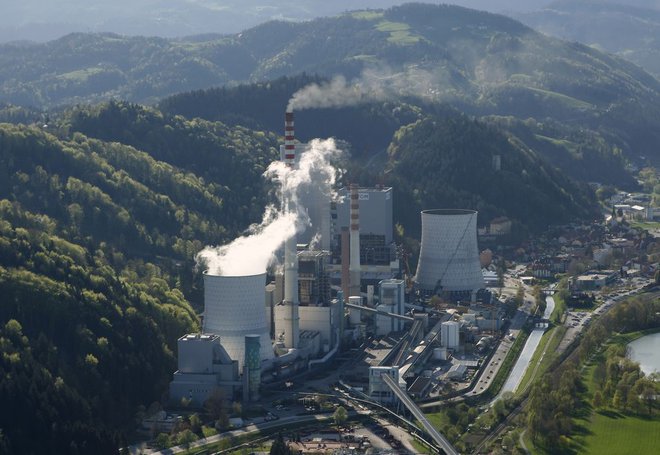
(96, 269)
(447, 162)
(481, 62)
(585, 155)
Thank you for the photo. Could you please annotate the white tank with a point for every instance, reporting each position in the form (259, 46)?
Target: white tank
(449, 256)
(234, 308)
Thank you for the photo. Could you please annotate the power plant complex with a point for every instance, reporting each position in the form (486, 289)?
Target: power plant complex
(340, 280)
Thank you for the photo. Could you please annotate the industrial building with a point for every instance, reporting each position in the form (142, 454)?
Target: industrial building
(449, 334)
(378, 389)
(251, 328)
(391, 298)
(449, 257)
(374, 247)
(203, 367)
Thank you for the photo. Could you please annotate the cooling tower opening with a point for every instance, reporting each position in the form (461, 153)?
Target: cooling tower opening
(449, 212)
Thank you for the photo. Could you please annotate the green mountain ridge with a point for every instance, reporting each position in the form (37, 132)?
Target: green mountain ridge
(481, 62)
(623, 29)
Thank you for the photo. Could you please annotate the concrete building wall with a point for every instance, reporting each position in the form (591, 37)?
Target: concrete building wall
(449, 334)
(234, 308)
(449, 255)
(378, 390)
(384, 324)
(318, 319)
(204, 366)
(375, 211)
(392, 292)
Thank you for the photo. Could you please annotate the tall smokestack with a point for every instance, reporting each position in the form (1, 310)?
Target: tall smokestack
(354, 268)
(289, 140)
(292, 319)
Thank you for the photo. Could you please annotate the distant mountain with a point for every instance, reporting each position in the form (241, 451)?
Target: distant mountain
(632, 32)
(482, 63)
(43, 20)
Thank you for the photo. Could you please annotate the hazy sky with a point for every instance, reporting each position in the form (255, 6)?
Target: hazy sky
(47, 19)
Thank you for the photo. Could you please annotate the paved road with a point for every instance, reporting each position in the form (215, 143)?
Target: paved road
(285, 421)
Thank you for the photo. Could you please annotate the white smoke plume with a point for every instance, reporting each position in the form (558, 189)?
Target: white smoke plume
(371, 86)
(253, 252)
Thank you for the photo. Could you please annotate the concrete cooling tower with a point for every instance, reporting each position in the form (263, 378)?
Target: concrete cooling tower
(449, 256)
(234, 308)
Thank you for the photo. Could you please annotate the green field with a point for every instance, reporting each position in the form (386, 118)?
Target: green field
(609, 431)
(399, 32)
(615, 433)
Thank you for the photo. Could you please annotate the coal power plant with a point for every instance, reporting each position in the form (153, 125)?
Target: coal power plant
(339, 278)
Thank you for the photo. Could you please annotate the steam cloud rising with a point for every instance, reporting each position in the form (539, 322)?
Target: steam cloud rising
(253, 252)
(371, 86)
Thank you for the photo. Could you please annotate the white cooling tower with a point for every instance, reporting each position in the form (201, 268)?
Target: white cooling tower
(233, 308)
(449, 256)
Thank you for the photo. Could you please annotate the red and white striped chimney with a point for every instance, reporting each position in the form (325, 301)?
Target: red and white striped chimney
(289, 140)
(292, 318)
(355, 241)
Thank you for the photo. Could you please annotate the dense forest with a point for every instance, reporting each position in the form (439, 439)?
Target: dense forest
(97, 241)
(457, 172)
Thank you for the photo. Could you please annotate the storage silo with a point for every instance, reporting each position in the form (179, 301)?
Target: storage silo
(449, 256)
(233, 309)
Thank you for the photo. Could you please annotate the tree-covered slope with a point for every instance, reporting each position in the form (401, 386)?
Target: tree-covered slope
(448, 163)
(97, 240)
(485, 63)
(81, 344)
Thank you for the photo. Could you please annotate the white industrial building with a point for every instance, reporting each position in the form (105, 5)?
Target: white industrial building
(234, 308)
(203, 366)
(449, 334)
(449, 256)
